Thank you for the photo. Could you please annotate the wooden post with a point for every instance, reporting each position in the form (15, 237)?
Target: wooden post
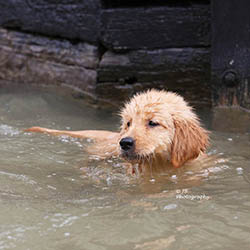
(231, 63)
(231, 52)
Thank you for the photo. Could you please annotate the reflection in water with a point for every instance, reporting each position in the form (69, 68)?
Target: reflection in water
(53, 196)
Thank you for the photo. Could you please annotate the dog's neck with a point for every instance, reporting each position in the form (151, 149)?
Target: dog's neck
(162, 164)
(157, 163)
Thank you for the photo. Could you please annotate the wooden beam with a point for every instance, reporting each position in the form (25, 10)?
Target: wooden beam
(75, 20)
(155, 27)
(231, 52)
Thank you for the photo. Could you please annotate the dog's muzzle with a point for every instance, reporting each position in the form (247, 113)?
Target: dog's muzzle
(127, 145)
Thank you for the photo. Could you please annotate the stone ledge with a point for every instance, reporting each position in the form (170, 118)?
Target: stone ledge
(34, 59)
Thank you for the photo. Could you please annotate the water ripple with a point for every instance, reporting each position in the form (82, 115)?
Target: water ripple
(8, 130)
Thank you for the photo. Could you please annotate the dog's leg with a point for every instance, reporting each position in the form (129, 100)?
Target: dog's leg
(92, 134)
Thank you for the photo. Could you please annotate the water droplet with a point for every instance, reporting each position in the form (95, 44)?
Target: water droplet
(170, 206)
(239, 170)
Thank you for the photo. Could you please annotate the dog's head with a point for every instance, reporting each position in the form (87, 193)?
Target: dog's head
(160, 123)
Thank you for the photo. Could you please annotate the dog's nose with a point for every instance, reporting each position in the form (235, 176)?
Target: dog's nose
(127, 143)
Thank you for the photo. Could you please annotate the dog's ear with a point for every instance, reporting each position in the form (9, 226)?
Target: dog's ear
(189, 141)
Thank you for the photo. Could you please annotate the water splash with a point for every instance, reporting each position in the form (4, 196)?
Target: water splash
(8, 130)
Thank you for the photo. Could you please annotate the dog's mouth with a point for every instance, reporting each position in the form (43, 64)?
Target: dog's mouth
(134, 157)
(130, 156)
(129, 152)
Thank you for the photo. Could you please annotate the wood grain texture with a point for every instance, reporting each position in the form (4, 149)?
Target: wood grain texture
(73, 19)
(158, 27)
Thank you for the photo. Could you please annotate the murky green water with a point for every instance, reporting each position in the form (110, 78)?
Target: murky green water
(52, 196)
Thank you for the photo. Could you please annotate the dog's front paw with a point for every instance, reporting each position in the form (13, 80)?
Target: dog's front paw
(36, 129)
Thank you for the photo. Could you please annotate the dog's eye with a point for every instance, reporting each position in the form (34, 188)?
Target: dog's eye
(128, 124)
(153, 124)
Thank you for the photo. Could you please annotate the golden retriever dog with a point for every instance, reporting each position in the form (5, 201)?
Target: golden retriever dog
(158, 128)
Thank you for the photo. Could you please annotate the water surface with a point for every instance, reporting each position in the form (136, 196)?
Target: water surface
(53, 196)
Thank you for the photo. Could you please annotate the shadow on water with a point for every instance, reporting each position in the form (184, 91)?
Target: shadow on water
(53, 196)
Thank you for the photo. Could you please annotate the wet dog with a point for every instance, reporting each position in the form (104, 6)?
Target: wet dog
(158, 128)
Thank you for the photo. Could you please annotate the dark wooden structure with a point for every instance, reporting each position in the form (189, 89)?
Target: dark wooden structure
(138, 44)
(231, 52)
(195, 47)
(230, 64)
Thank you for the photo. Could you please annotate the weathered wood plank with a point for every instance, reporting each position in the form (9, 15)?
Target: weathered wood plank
(75, 19)
(230, 52)
(158, 27)
(186, 71)
(152, 65)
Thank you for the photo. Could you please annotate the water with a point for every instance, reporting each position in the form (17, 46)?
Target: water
(52, 196)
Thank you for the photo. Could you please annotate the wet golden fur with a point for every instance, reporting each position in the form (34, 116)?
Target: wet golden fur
(177, 138)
